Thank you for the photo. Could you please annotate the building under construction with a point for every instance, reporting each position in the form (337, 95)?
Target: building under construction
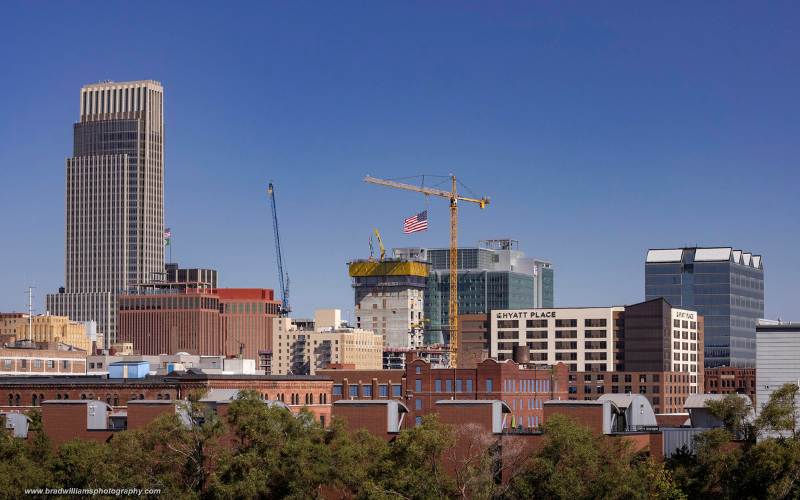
(389, 299)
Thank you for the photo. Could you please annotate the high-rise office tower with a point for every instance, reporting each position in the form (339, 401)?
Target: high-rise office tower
(114, 200)
(724, 285)
(494, 275)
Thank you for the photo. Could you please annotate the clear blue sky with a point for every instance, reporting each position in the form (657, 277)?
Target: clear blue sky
(599, 129)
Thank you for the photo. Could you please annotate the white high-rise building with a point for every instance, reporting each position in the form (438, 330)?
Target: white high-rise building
(114, 200)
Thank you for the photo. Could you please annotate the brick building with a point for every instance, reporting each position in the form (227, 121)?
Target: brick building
(221, 321)
(41, 359)
(665, 390)
(20, 393)
(473, 339)
(728, 379)
(420, 386)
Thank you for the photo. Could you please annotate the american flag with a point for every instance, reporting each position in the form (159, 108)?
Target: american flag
(416, 223)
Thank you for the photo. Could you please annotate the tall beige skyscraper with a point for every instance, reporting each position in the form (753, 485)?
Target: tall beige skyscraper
(114, 200)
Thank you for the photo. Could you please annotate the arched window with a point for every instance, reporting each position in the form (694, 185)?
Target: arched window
(41, 398)
(16, 400)
(83, 396)
(167, 397)
(10, 400)
(158, 397)
(33, 399)
(116, 399)
(141, 396)
(58, 396)
(108, 400)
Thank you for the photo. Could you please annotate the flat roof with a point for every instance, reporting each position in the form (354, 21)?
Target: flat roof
(792, 326)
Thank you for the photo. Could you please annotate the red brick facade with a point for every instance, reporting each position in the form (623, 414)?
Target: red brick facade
(199, 321)
(726, 379)
(420, 386)
(666, 391)
(313, 393)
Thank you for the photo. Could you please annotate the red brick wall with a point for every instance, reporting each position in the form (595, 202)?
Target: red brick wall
(64, 422)
(141, 414)
(371, 417)
(590, 416)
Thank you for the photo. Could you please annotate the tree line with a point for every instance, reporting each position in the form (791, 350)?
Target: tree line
(258, 451)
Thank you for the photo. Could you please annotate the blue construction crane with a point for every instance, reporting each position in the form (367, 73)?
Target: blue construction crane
(283, 278)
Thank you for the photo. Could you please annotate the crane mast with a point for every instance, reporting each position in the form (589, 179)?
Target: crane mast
(454, 198)
(283, 278)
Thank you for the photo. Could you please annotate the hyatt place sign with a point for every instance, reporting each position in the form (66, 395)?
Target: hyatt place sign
(525, 314)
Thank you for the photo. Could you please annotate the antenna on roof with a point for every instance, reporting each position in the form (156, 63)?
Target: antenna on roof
(30, 313)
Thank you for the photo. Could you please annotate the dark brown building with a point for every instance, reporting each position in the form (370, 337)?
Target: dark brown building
(473, 339)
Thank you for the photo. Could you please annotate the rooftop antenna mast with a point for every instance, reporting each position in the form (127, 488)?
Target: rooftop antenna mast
(30, 313)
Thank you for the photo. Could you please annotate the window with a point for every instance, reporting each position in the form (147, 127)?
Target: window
(383, 390)
(51, 363)
(418, 370)
(437, 386)
(353, 391)
(469, 385)
(566, 323)
(489, 385)
(7, 364)
(366, 391)
(417, 421)
(397, 390)
(459, 387)
(337, 390)
(65, 364)
(418, 385)
(418, 404)
(448, 385)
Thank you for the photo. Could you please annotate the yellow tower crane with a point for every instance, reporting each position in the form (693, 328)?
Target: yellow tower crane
(454, 198)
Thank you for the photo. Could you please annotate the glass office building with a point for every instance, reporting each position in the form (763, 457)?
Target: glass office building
(724, 285)
(494, 275)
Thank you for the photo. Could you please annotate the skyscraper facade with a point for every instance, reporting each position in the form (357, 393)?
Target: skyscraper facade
(724, 285)
(493, 275)
(114, 200)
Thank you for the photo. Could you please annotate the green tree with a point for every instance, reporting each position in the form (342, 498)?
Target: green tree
(18, 470)
(780, 413)
(575, 463)
(273, 454)
(736, 414)
(417, 456)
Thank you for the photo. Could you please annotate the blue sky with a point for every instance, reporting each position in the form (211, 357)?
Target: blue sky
(599, 129)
